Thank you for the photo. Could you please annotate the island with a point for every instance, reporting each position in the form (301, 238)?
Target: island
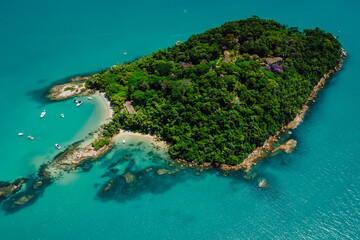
(217, 97)
(224, 98)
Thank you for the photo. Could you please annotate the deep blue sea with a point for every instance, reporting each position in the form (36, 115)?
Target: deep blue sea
(314, 192)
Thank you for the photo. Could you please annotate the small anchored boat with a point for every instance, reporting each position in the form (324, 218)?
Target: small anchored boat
(125, 53)
(30, 137)
(62, 115)
(79, 103)
(43, 114)
(90, 98)
(75, 101)
(57, 146)
(123, 141)
(20, 134)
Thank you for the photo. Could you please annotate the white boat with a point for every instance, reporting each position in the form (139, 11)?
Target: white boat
(123, 141)
(43, 114)
(20, 134)
(79, 103)
(62, 115)
(125, 53)
(90, 98)
(75, 101)
(57, 146)
(30, 137)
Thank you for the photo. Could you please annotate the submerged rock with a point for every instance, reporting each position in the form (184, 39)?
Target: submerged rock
(8, 189)
(24, 199)
(129, 178)
(162, 171)
(37, 184)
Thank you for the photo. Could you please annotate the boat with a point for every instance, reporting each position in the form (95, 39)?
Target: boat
(90, 98)
(79, 103)
(57, 146)
(30, 137)
(43, 114)
(123, 141)
(20, 134)
(62, 115)
(125, 53)
(75, 101)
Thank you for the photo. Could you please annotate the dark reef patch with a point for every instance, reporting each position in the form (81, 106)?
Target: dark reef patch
(34, 189)
(120, 189)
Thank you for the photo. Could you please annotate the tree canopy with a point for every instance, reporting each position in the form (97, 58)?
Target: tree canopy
(211, 110)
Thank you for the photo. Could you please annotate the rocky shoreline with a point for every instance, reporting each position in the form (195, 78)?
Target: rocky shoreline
(269, 146)
(279, 142)
(75, 87)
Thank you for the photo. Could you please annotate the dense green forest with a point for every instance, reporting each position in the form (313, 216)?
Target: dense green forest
(212, 107)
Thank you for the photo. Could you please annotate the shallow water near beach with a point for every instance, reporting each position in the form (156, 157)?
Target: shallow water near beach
(314, 192)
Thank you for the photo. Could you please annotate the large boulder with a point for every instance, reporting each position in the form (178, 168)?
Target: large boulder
(287, 147)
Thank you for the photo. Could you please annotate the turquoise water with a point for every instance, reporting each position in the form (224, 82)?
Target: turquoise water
(314, 192)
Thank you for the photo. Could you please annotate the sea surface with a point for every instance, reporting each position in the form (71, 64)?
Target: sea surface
(314, 192)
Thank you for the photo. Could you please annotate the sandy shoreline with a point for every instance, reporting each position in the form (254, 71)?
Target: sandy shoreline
(154, 139)
(79, 153)
(108, 106)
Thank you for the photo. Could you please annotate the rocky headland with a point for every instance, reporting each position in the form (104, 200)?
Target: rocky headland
(75, 87)
(272, 145)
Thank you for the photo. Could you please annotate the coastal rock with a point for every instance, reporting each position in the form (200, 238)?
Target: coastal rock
(162, 171)
(294, 123)
(287, 147)
(108, 186)
(68, 90)
(8, 189)
(263, 184)
(206, 164)
(24, 199)
(343, 53)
